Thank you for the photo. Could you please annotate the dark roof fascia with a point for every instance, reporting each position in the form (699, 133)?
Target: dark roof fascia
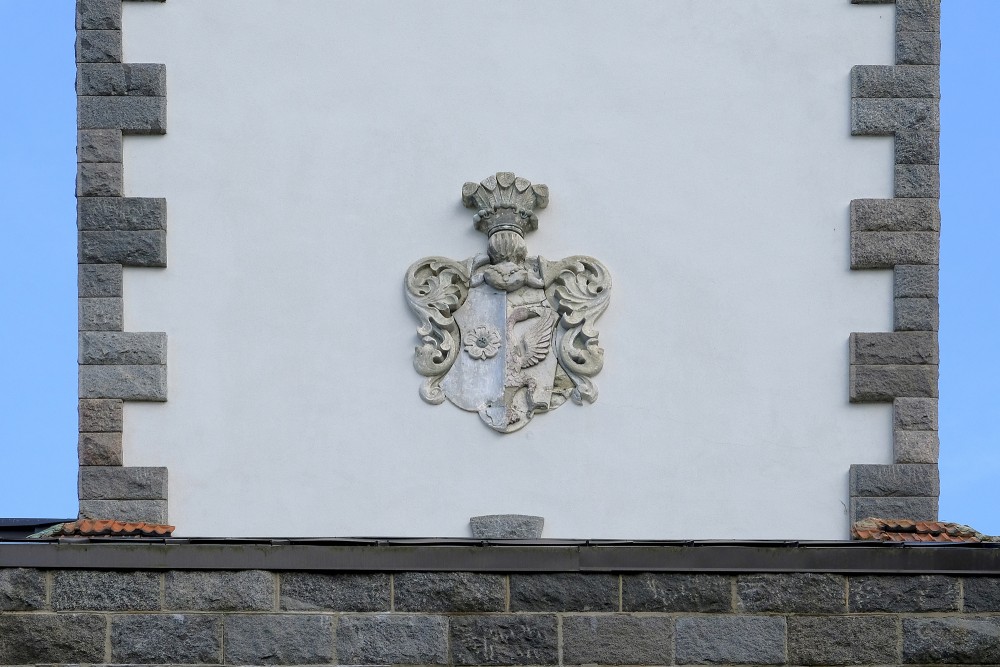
(512, 556)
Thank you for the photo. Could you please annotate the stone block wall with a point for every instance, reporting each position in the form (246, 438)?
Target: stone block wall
(212, 617)
(902, 234)
(115, 99)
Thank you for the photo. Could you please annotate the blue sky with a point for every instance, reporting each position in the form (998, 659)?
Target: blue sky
(38, 274)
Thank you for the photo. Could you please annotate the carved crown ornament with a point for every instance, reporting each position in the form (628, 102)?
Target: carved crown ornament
(504, 334)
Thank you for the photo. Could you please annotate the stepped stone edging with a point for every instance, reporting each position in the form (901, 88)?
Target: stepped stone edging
(902, 234)
(114, 99)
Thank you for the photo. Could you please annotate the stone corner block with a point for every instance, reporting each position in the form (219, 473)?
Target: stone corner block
(122, 483)
(903, 479)
(99, 280)
(100, 314)
(100, 449)
(122, 347)
(131, 383)
(884, 250)
(131, 115)
(873, 383)
(915, 446)
(151, 511)
(98, 46)
(894, 348)
(100, 415)
(98, 14)
(916, 508)
(128, 248)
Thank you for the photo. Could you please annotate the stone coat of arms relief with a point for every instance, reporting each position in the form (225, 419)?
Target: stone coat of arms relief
(504, 334)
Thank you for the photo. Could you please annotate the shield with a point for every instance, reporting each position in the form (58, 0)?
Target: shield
(504, 334)
(506, 369)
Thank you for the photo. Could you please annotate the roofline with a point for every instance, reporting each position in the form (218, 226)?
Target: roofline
(502, 556)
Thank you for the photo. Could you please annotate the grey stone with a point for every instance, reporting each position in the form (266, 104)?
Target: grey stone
(98, 14)
(133, 79)
(887, 348)
(105, 590)
(449, 591)
(98, 46)
(276, 639)
(131, 383)
(805, 592)
(21, 589)
(243, 590)
(160, 638)
(28, 639)
(918, 48)
(99, 280)
(843, 640)
(895, 81)
(898, 479)
(895, 215)
(677, 592)
(100, 79)
(887, 593)
(122, 347)
(141, 248)
(915, 314)
(915, 414)
(915, 446)
(923, 508)
(121, 213)
(917, 147)
(99, 146)
(880, 116)
(152, 511)
(504, 640)
(391, 639)
(100, 449)
(885, 383)
(883, 250)
(99, 179)
(131, 115)
(507, 526)
(617, 639)
(917, 180)
(123, 483)
(103, 314)
(334, 592)
(569, 591)
(100, 414)
(145, 79)
(981, 594)
(747, 640)
(918, 15)
(916, 281)
(962, 640)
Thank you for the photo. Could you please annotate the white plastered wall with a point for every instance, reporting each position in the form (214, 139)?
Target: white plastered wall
(700, 149)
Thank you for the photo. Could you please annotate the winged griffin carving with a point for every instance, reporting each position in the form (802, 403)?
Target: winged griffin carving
(504, 334)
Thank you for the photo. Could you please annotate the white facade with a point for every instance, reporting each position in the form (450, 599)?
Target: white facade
(701, 150)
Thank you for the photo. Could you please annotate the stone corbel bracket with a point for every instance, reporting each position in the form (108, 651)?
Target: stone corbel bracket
(902, 234)
(115, 99)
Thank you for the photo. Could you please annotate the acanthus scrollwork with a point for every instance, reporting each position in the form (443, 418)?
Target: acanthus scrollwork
(579, 288)
(435, 288)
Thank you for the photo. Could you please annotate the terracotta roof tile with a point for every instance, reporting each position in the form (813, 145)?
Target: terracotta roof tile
(88, 527)
(907, 530)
